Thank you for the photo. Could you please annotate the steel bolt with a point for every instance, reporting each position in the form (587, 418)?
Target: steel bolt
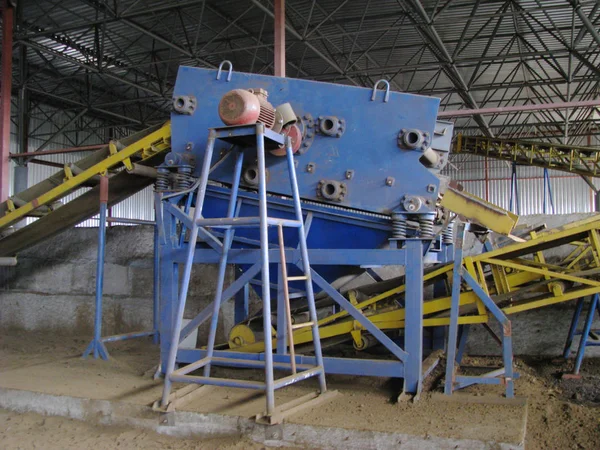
(430, 188)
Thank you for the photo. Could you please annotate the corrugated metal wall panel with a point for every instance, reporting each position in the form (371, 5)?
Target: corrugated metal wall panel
(570, 193)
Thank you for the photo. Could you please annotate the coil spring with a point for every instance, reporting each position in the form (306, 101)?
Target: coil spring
(183, 178)
(426, 226)
(162, 180)
(448, 234)
(398, 227)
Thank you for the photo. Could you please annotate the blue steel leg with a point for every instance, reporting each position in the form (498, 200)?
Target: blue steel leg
(413, 331)
(585, 334)
(573, 328)
(97, 346)
(453, 329)
(507, 359)
(462, 342)
(281, 317)
(310, 296)
(264, 256)
(185, 284)
(242, 301)
(156, 291)
(229, 233)
(168, 290)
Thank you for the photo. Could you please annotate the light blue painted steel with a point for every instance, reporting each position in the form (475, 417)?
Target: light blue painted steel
(449, 383)
(453, 381)
(156, 288)
(584, 333)
(310, 295)
(178, 316)
(96, 347)
(573, 328)
(227, 239)
(413, 328)
(346, 366)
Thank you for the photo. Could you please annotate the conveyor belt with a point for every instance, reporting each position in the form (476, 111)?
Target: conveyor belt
(147, 147)
(584, 161)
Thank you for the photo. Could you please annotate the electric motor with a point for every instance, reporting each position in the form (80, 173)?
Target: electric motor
(245, 107)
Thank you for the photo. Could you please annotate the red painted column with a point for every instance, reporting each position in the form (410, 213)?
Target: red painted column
(279, 38)
(5, 91)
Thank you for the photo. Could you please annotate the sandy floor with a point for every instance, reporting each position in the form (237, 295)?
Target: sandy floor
(52, 364)
(34, 431)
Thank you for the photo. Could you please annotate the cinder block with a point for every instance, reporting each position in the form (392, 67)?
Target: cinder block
(45, 277)
(84, 278)
(116, 280)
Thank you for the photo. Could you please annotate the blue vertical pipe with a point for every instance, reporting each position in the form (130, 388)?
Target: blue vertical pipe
(227, 238)
(264, 256)
(185, 283)
(168, 288)
(100, 276)
(413, 328)
(507, 358)
(310, 295)
(545, 191)
(585, 333)
(573, 328)
(454, 309)
(96, 346)
(156, 291)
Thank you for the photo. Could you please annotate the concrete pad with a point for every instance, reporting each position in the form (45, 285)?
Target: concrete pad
(192, 424)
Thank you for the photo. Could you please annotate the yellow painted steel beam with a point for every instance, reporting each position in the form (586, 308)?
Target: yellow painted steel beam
(514, 278)
(478, 211)
(542, 272)
(155, 142)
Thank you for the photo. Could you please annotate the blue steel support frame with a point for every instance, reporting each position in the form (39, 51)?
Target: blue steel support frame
(171, 255)
(97, 346)
(504, 375)
(229, 224)
(584, 333)
(454, 307)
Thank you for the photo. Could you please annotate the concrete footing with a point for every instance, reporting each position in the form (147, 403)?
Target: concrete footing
(189, 424)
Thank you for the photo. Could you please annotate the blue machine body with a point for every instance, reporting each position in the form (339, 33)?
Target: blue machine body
(368, 145)
(343, 237)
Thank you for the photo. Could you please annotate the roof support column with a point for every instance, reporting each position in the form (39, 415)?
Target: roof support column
(5, 92)
(279, 62)
(20, 174)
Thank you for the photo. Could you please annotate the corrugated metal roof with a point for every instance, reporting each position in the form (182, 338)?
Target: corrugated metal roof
(130, 50)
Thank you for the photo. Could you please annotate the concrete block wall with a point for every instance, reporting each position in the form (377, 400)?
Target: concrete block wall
(53, 286)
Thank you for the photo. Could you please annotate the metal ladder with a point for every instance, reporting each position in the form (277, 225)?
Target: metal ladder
(244, 137)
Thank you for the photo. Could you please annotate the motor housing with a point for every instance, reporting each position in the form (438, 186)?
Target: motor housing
(245, 107)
